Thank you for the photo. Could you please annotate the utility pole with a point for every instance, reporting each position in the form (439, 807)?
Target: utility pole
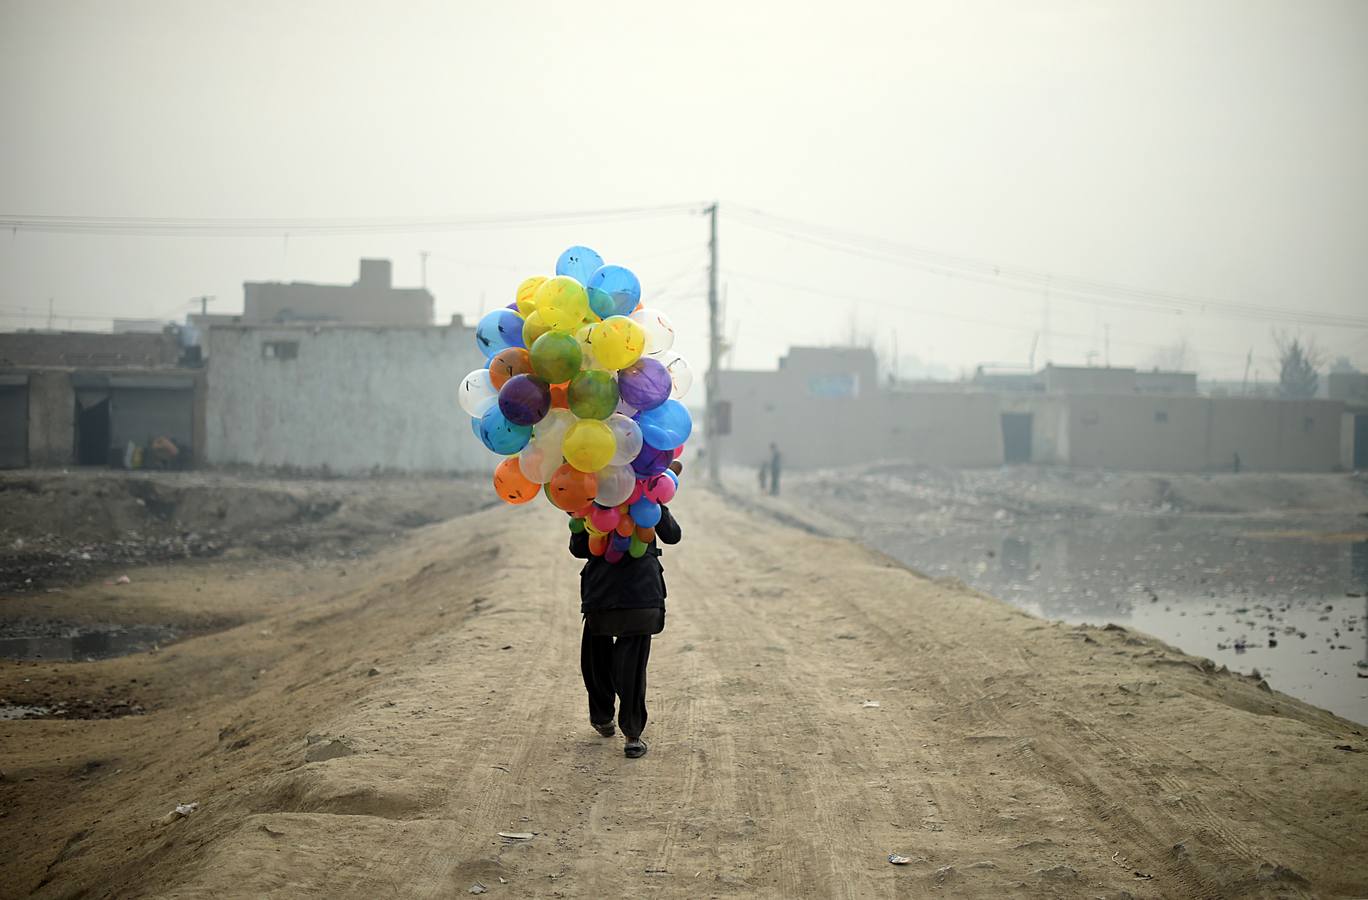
(49, 328)
(714, 351)
(203, 302)
(422, 257)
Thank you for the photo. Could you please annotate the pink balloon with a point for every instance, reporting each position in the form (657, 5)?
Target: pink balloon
(679, 451)
(637, 492)
(660, 488)
(604, 519)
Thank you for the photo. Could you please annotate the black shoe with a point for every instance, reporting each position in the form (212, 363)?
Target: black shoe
(635, 748)
(604, 728)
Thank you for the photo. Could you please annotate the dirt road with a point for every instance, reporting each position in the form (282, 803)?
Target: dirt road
(438, 683)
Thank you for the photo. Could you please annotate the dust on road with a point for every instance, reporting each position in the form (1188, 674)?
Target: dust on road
(436, 686)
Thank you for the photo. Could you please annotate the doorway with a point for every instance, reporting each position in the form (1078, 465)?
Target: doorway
(1016, 437)
(92, 428)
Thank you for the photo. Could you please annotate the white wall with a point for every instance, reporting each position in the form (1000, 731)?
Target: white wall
(354, 399)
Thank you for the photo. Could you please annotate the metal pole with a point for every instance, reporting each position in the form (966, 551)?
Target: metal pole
(714, 352)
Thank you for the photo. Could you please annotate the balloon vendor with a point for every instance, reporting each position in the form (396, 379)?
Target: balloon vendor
(580, 393)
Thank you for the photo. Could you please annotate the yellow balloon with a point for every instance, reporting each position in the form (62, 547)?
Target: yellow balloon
(589, 445)
(617, 342)
(534, 327)
(526, 292)
(562, 302)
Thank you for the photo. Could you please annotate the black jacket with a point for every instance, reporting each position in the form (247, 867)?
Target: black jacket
(628, 583)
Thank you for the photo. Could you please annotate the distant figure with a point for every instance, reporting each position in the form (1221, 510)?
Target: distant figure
(775, 465)
(764, 476)
(1236, 465)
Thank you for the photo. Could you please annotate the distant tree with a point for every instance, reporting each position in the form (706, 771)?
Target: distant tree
(1298, 360)
(1342, 364)
(1177, 357)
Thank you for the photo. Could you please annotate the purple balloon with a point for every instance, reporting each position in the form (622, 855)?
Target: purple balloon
(651, 461)
(524, 400)
(645, 384)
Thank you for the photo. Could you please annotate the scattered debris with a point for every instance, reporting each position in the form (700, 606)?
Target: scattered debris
(122, 579)
(478, 888)
(321, 747)
(870, 704)
(517, 835)
(180, 812)
(897, 860)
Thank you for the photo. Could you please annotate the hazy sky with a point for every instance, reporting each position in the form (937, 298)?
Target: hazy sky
(1203, 147)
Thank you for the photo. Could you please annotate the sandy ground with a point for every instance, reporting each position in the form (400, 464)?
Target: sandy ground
(371, 726)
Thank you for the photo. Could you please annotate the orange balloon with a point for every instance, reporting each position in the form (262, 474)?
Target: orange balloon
(512, 486)
(571, 489)
(507, 363)
(645, 535)
(560, 396)
(598, 544)
(626, 526)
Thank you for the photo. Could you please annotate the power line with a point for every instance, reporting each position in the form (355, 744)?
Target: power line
(223, 227)
(1029, 280)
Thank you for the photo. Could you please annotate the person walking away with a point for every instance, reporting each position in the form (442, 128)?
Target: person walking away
(623, 605)
(776, 461)
(764, 476)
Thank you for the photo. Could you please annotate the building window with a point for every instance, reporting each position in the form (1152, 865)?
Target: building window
(280, 350)
(1161, 415)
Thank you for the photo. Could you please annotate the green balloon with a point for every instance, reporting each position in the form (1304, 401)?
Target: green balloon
(593, 394)
(638, 548)
(576, 526)
(556, 357)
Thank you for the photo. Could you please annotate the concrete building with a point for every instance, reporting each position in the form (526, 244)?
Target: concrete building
(1351, 388)
(822, 408)
(371, 300)
(341, 398)
(80, 398)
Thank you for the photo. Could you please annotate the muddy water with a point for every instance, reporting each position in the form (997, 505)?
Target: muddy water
(79, 643)
(1226, 587)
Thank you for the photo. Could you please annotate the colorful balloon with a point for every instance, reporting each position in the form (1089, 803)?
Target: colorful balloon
(498, 330)
(605, 518)
(525, 399)
(660, 333)
(617, 342)
(620, 286)
(627, 437)
(660, 488)
(638, 548)
(645, 512)
(615, 484)
(598, 544)
(668, 425)
(526, 293)
(538, 462)
(651, 461)
(577, 526)
(512, 486)
(593, 394)
(507, 363)
(533, 327)
(477, 393)
(579, 263)
(570, 489)
(562, 303)
(645, 384)
(589, 445)
(502, 436)
(556, 357)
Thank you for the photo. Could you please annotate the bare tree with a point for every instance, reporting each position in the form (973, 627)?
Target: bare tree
(1177, 357)
(1299, 358)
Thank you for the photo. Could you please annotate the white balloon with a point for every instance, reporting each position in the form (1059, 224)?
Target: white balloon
(477, 393)
(615, 485)
(550, 432)
(627, 433)
(660, 333)
(681, 374)
(626, 408)
(538, 463)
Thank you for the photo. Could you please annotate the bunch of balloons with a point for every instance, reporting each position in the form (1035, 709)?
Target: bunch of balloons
(580, 393)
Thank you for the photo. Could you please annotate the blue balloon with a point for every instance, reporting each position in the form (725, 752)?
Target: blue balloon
(621, 543)
(579, 263)
(646, 513)
(601, 302)
(620, 284)
(498, 331)
(666, 426)
(501, 435)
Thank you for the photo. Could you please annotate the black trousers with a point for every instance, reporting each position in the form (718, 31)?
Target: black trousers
(616, 667)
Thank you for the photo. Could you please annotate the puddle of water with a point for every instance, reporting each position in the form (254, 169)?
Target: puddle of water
(1202, 584)
(82, 643)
